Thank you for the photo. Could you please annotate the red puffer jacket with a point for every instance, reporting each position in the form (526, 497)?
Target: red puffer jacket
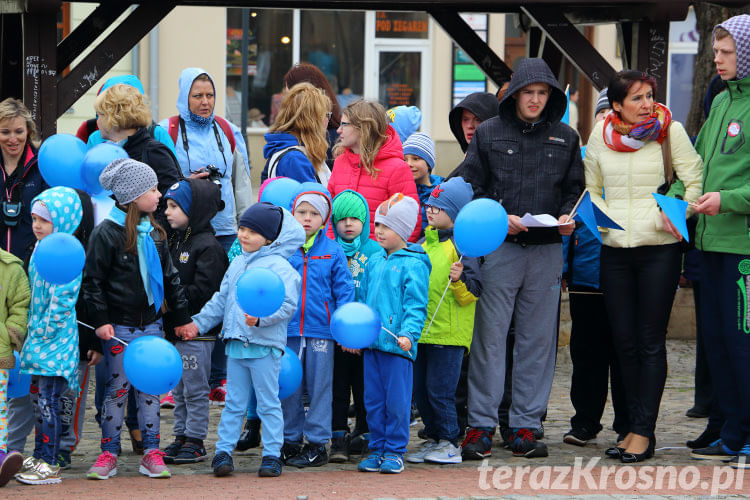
(394, 176)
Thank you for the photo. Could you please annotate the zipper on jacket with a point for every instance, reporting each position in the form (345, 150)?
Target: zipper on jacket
(304, 293)
(328, 313)
(713, 151)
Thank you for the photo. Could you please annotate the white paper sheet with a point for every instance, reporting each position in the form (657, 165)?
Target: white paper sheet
(541, 220)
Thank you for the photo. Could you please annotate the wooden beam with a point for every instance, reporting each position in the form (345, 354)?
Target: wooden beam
(87, 32)
(100, 60)
(653, 54)
(39, 63)
(476, 48)
(572, 43)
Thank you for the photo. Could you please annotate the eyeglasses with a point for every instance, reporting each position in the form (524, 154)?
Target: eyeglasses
(344, 124)
(432, 210)
(329, 115)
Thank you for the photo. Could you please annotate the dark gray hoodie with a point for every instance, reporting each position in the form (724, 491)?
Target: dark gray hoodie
(482, 104)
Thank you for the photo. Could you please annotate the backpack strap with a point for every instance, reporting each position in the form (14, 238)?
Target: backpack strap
(174, 125)
(227, 129)
(273, 161)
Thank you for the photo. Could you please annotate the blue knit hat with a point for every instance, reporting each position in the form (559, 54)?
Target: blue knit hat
(451, 196)
(405, 120)
(421, 145)
(263, 218)
(182, 194)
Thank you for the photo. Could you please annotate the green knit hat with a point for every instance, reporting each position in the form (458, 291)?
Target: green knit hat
(349, 204)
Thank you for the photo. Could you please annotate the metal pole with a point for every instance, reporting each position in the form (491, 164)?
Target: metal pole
(244, 83)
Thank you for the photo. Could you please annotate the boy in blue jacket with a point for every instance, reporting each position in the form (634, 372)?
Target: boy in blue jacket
(396, 287)
(326, 284)
(269, 235)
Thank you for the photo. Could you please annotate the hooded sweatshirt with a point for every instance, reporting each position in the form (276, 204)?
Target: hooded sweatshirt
(203, 150)
(482, 104)
(326, 281)
(197, 254)
(14, 312)
(293, 164)
(528, 167)
(396, 286)
(725, 152)
(394, 176)
(364, 248)
(271, 330)
(51, 347)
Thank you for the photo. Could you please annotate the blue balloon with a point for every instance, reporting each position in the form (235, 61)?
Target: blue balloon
(355, 325)
(290, 375)
(96, 159)
(152, 365)
(18, 383)
(280, 192)
(59, 258)
(260, 292)
(60, 158)
(480, 228)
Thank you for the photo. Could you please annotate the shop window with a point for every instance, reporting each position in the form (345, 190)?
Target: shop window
(269, 57)
(400, 82)
(334, 42)
(683, 47)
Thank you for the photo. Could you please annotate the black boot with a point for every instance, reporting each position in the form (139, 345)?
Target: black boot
(250, 437)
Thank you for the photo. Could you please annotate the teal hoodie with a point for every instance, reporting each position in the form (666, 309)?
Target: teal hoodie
(365, 247)
(396, 286)
(51, 347)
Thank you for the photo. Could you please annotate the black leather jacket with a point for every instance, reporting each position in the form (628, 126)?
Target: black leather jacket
(112, 285)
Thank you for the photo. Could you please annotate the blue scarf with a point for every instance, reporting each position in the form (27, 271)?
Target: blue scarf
(149, 263)
(350, 247)
(199, 120)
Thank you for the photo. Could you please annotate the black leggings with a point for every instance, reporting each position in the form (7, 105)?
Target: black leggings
(348, 375)
(639, 285)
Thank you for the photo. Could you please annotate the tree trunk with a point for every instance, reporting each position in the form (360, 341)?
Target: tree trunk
(707, 16)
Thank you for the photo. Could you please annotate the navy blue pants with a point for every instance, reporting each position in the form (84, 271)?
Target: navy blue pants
(436, 373)
(46, 401)
(388, 382)
(725, 283)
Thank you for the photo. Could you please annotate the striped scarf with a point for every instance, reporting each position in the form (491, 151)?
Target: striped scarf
(628, 138)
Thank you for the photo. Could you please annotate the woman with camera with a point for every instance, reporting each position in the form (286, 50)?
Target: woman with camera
(20, 176)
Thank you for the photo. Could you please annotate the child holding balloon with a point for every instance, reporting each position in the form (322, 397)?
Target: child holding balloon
(395, 286)
(127, 277)
(351, 228)
(50, 352)
(326, 285)
(14, 307)
(454, 291)
(201, 261)
(269, 235)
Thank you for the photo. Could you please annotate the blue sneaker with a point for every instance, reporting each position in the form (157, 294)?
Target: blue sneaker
(393, 463)
(715, 451)
(222, 464)
(742, 460)
(371, 463)
(270, 467)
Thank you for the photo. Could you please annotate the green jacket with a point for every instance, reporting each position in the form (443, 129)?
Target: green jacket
(454, 321)
(14, 307)
(726, 158)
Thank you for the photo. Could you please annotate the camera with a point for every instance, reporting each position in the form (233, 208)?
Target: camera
(214, 175)
(11, 213)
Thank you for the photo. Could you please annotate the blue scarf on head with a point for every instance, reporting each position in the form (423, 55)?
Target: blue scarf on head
(149, 263)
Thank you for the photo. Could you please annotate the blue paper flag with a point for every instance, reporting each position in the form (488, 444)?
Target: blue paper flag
(566, 117)
(603, 219)
(675, 210)
(585, 214)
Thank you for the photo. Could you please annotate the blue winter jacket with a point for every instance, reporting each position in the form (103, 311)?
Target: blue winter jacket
(367, 248)
(51, 346)
(223, 305)
(294, 164)
(424, 191)
(203, 150)
(582, 249)
(397, 286)
(326, 283)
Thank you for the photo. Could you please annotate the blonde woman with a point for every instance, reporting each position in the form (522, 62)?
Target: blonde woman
(123, 117)
(296, 143)
(370, 160)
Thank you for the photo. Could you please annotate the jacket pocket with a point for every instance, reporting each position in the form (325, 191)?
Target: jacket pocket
(555, 157)
(504, 155)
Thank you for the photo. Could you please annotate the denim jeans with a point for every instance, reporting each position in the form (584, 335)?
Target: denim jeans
(436, 373)
(45, 396)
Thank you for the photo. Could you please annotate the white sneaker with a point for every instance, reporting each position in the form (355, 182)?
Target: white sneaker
(417, 457)
(444, 453)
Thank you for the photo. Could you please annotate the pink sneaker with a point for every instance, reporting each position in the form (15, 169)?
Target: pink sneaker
(104, 467)
(152, 465)
(167, 401)
(218, 394)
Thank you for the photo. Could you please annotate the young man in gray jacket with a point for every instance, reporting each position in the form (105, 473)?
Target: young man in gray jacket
(529, 161)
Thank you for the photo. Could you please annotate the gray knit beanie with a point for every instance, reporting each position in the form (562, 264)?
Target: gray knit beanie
(399, 213)
(602, 102)
(127, 179)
